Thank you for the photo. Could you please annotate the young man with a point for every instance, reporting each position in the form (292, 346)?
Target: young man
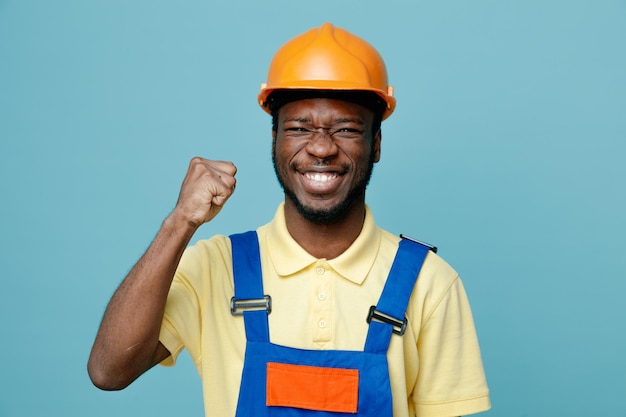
(319, 312)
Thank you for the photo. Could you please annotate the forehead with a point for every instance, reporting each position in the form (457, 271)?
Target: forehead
(326, 111)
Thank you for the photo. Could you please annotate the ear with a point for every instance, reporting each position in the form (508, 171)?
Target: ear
(378, 137)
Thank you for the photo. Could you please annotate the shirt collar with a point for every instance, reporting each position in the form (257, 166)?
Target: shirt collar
(354, 264)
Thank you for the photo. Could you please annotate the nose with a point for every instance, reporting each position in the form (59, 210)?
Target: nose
(322, 145)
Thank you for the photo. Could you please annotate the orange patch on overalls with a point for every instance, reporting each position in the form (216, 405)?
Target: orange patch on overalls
(312, 388)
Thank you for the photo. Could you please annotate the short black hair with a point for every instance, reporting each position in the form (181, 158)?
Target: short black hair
(368, 99)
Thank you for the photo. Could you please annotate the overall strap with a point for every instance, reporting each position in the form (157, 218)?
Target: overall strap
(388, 316)
(248, 280)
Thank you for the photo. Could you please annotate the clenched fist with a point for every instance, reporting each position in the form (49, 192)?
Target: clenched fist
(206, 187)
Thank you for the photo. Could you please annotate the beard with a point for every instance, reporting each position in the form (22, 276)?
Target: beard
(333, 214)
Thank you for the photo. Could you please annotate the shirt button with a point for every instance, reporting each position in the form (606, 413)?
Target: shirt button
(320, 270)
(321, 296)
(322, 324)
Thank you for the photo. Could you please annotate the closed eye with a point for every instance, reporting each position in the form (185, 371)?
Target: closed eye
(348, 133)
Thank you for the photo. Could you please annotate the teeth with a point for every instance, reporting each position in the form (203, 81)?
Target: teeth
(321, 177)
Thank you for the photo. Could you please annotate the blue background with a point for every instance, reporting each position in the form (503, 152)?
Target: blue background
(506, 150)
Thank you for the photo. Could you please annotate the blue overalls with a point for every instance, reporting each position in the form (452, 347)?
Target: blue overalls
(279, 381)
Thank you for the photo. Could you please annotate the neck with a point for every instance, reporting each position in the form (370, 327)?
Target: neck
(326, 241)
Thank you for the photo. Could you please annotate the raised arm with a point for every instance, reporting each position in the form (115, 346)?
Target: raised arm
(127, 343)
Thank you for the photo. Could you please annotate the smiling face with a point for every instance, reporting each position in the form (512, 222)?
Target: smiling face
(324, 151)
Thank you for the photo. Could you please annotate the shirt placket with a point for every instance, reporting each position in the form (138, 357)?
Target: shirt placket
(321, 295)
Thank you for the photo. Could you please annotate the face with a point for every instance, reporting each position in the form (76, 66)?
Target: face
(324, 151)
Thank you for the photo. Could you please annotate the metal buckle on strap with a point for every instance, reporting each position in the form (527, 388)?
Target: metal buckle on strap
(237, 306)
(399, 327)
(431, 247)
